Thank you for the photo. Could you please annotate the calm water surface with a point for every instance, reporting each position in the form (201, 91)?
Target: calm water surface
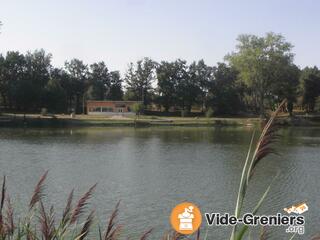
(152, 169)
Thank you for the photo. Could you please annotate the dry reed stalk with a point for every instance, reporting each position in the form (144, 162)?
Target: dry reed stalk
(112, 229)
(47, 222)
(3, 196)
(263, 148)
(264, 235)
(81, 205)
(86, 227)
(67, 210)
(267, 137)
(9, 223)
(38, 191)
(198, 234)
(146, 234)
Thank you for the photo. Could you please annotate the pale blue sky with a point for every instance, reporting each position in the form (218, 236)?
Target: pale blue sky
(120, 31)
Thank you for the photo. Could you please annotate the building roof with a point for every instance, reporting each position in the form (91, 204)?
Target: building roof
(103, 101)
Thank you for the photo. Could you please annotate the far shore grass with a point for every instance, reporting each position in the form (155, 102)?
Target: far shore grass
(63, 120)
(130, 121)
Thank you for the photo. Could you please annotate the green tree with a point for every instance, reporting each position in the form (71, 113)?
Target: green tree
(115, 91)
(3, 84)
(182, 85)
(310, 86)
(260, 61)
(187, 87)
(36, 75)
(78, 73)
(99, 81)
(167, 76)
(139, 79)
(286, 87)
(64, 80)
(137, 108)
(201, 75)
(55, 96)
(12, 75)
(224, 91)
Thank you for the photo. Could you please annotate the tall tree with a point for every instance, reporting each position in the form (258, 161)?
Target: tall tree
(201, 75)
(260, 61)
(3, 84)
(310, 84)
(11, 77)
(57, 91)
(187, 87)
(115, 91)
(167, 75)
(78, 72)
(139, 79)
(286, 86)
(64, 80)
(225, 93)
(99, 80)
(36, 76)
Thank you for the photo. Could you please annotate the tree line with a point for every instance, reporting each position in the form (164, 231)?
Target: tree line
(256, 76)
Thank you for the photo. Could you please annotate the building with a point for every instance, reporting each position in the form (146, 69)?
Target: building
(110, 107)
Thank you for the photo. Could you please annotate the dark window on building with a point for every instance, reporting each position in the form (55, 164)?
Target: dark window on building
(95, 109)
(120, 105)
(107, 109)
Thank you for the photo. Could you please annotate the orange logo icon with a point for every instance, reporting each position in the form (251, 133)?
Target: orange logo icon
(186, 218)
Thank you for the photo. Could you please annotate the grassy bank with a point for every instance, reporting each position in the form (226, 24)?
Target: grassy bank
(36, 120)
(60, 120)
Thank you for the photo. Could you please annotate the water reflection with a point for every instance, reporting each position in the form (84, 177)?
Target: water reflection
(152, 169)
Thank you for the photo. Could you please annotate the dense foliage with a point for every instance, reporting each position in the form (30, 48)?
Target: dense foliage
(256, 77)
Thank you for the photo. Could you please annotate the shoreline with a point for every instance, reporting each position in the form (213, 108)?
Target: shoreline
(36, 120)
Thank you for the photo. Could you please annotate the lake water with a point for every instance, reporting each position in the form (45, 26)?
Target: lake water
(152, 169)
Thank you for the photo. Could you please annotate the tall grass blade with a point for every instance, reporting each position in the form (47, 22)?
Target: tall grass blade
(242, 186)
(244, 228)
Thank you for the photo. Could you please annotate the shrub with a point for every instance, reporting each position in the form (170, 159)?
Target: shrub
(44, 111)
(209, 113)
(184, 113)
(137, 108)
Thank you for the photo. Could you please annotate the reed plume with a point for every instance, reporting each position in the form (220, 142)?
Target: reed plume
(81, 205)
(38, 192)
(47, 222)
(112, 229)
(267, 137)
(66, 215)
(262, 149)
(86, 227)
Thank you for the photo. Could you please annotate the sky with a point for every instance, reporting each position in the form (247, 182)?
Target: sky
(123, 31)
